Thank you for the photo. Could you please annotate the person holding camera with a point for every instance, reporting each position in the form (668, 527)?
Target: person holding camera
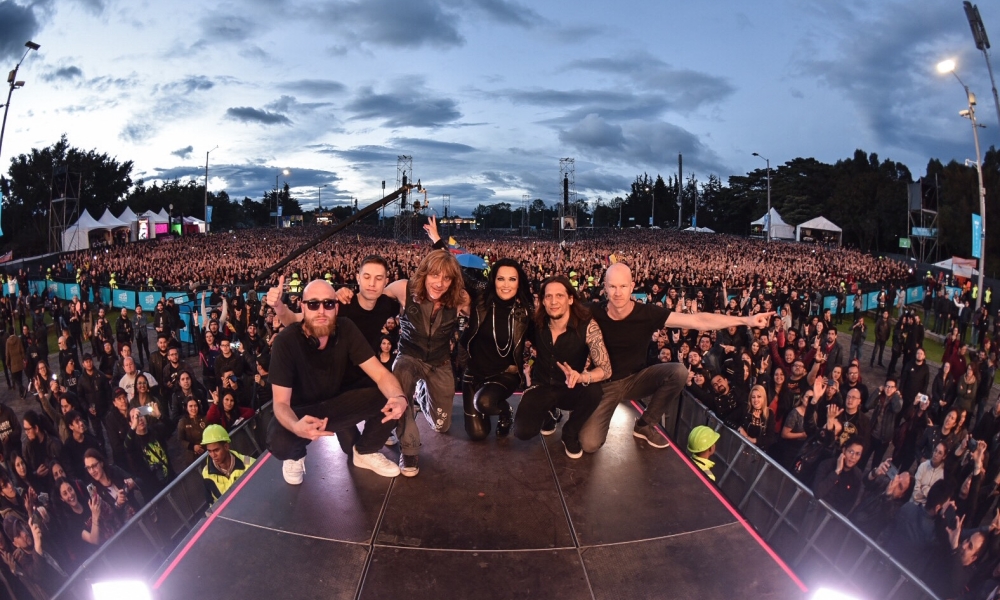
(882, 407)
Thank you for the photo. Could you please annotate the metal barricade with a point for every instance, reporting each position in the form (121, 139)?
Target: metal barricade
(817, 542)
(139, 548)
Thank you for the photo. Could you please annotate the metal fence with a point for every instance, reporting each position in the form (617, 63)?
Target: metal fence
(150, 537)
(819, 544)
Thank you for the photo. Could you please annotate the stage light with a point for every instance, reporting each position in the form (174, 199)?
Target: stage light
(121, 590)
(827, 594)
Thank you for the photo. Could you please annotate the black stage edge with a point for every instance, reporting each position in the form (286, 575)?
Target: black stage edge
(493, 520)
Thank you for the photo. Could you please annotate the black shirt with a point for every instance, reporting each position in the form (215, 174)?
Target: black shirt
(316, 375)
(626, 340)
(370, 322)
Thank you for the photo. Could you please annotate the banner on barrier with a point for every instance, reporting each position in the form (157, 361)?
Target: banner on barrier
(148, 300)
(123, 299)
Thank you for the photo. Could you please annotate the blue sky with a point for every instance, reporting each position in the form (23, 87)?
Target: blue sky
(488, 95)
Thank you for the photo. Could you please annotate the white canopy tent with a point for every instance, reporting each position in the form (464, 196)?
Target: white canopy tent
(77, 235)
(194, 221)
(153, 219)
(163, 215)
(700, 230)
(820, 230)
(132, 221)
(110, 221)
(961, 267)
(779, 229)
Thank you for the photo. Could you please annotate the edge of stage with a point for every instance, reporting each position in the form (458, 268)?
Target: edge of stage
(496, 519)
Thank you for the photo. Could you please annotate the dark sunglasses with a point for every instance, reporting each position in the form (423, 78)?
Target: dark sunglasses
(328, 304)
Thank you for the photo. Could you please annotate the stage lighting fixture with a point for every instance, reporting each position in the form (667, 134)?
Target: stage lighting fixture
(828, 594)
(121, 590)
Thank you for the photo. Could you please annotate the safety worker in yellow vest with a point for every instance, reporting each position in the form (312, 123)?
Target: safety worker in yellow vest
(328, 277)
(573, 279)
(224, 466)
(79, 274)
(975, 293)
(112, 283)
(701, 447)
(295, 285)
(48, 274)
(988, 297)
(150, 284)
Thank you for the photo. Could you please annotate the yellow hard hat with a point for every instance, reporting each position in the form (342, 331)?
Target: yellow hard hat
(700, 439)
(214, 434)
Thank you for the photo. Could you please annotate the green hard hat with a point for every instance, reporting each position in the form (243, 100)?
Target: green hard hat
(701, 438)
(214, 434)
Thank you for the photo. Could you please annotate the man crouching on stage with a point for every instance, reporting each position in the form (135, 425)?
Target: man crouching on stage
(308, 362)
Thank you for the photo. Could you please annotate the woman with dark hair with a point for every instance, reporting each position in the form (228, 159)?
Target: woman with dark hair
(187, 388)
(114, 485)
(190, 428)
(494, 345)
(86, 526)
(386, 352)
(226, 412)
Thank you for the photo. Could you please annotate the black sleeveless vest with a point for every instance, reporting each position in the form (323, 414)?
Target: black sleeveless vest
(418, 338)
(571, 348)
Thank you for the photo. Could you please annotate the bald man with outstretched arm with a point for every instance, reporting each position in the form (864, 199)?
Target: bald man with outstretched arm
(623, 322)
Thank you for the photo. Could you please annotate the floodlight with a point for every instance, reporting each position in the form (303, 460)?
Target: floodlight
(121, 590)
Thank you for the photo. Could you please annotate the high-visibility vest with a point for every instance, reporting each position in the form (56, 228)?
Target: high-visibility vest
(216, 483)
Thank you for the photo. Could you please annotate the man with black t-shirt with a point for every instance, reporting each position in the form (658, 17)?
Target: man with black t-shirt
(623, 323)
(309, 361)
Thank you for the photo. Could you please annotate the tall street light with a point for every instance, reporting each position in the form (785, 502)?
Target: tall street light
(767, 219)
(319, 192)
(948, 66)
(652, 206)
(286, 173)
(206, 186)
(14, 84)
(982, 44)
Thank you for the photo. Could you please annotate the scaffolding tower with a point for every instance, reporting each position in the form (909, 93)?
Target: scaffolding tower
(525, 225)
(446, 206)
(567, 191)
(64, 203)
(402, 225)
(922, 218)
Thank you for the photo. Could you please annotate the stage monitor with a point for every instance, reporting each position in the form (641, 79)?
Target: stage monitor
(143, 228)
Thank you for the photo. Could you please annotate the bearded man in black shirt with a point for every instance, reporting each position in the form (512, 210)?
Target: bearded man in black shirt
(623, 322)
(308, 365)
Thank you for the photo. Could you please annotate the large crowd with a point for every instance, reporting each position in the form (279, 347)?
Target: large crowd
(906, 457)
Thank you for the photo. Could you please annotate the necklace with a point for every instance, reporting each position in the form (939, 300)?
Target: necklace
(503, 352)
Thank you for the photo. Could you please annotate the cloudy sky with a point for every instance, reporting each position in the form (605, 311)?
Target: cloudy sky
(488, 95)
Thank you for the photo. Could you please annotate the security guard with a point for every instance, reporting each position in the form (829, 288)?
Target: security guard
(701, 446)
(112, 283)
(328, 277)
(224, 466)
(988, 298)
(295, 285)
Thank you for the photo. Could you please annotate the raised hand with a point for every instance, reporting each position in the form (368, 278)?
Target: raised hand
(345, 295)
(432, 229)
(760, 320)
(394, 408)
(273, 298)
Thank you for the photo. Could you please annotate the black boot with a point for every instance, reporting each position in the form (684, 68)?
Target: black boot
(506, 419)
(477, 425)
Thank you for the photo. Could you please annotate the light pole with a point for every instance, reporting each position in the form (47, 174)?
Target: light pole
(948, 66)
(767, 219)
(14, 84)
(206, 187)
(652, 206)
(319, 192)
(277, 217)
(982, 44)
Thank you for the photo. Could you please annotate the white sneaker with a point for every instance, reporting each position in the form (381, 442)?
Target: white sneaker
(393, 440)
(376, 462)
(293, 470)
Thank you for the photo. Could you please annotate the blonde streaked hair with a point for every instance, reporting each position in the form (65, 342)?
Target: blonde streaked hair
(439, 262)
(763, 393)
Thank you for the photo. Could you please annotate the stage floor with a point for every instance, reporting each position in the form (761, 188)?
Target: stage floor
(493, 520)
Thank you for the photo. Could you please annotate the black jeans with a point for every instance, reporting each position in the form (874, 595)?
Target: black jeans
(538, 400)
(878, 349)
(343, 411)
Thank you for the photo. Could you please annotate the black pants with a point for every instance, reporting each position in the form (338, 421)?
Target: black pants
(538, 400)
(878, 349)
(876, 451)
(896, 353)
(343, 411)
(142, 347)
(485, 397)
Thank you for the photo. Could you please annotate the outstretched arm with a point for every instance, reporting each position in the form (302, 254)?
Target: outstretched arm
(598, 354)
(710, 321)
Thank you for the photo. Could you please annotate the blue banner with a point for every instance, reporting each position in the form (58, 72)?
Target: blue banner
(914, 295)
(148, 301)
(977, 236)
(208, 214)
(123, 299)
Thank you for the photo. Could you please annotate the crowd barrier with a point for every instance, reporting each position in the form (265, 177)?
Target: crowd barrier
(142, 546)
(819, 544)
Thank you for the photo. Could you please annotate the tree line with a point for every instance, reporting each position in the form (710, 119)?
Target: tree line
(864, 195)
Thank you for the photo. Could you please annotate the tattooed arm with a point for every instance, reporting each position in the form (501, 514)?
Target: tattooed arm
(599, 359)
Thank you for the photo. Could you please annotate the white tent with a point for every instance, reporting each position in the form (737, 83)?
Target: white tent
(194, 221)
(128, 216)
(110, 221)
(820, 230)
(779, 229)
(962, 267)
(77, 235)
(700, 230)
(164, 216)
(155, 217)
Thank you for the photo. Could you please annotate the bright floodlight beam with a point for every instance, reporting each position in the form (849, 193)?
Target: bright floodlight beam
(121, 590)
(828, 594)
(946, 66)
